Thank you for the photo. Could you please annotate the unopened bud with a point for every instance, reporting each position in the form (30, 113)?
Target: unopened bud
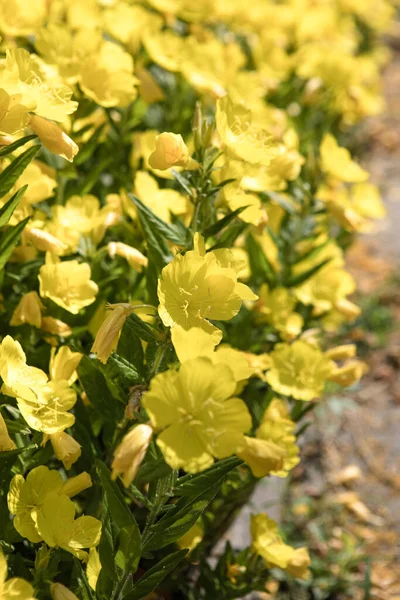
(66, 448)
(171, 151)
(130, 453)
(76, 485)
(53, 138)
(342, 352)
(56, 327)
(108, 334)
(58, 591)
(6, 442)
(135, 259)
(43, 240)
(28, 310)
(350, 310)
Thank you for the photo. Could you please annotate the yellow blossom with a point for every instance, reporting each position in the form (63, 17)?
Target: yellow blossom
(48, 412)
(337, 162)
(19, 379)
(57, 526)
(93, 568)
(58, 591)
(194, 410)
(162, 202)
(53, 137)
(134, 257)
(28, 310)
(6, 442)
(14, 116)
(63, 364)
(276, 307)
(20, 19)
(66, 448)
(67, 283)
(299, 370)
(350, 373)
(195, 287)
(269, 545)
(108, 334)
(130, 453)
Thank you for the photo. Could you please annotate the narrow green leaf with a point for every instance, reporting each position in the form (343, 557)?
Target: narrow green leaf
(178, 521)
(260, 266)
(222, 223)
(17, 144)
(189, 485)
(183, 182)
(89, 147)
(160, 227)
(11, 173)
(7, 210)
(136, 326)
(9, 240)
(90, 181)
(154, 576)
(299, 279)
(95, 386)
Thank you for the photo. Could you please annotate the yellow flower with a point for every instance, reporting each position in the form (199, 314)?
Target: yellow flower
(19, 379)
(197, 416)
(57, 526)
(350, 373)
(337, 162)
(42, 240)
(135, 259)
(56, 327)
(299, 370)
(171, 151)
(58, 591)
(276, 307)
(243, 140)
(53, 138)
(107, 76)
(22, 73)
(162, 202)
(6, 442)
(342, 352)
(108, 334)
(195, 287)
(14, 588)
(68, 283)
(196, 342)
(28, 310)
(130, 453)
(14, 116)
(20, 19)
(269, 545)
(262, 456)
(63, 364)
(93, 568)
(27, 495)
(48, 412)
(66, 448)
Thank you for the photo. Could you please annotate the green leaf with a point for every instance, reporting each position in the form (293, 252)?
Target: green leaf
(281, 201)
(90, 181)
(135, 325)
(189, 485)
(124, 368)
(9, 240)
(229, 236)
(299, 279)
(154, 576)
(95, 386)
(160, 228)
(222, 223)
(183, 182)
(10, 175)
(180, 519)
(7, 210)
(130, 542)
(130, 347)
(260, 266)
(15, 145)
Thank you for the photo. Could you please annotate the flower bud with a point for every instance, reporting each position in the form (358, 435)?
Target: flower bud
(350, 310)
(43, 240)
(65, 448)
(28, 310)
(130, 453)
(53, 138)
(350, 373)
(135, 259)
(342, 352)
(108, 334)
(63, 364)
(58, 591)
(6, 442)
(56, 327)
(171, 151)
(76, 485)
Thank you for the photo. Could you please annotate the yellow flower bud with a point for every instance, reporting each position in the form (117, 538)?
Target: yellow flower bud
(342, 352)
(76, 485)
(350, 310)
(58, 591)
(28, 310)
(43, 240)
(171, 151)
(130, 453)
(56, 327)
(107, 336)
(350, 373)
(135, 259)
(65, 448)
(6, 442)
(53, 138)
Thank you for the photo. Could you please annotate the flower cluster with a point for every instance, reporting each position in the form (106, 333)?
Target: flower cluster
(176, 199)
